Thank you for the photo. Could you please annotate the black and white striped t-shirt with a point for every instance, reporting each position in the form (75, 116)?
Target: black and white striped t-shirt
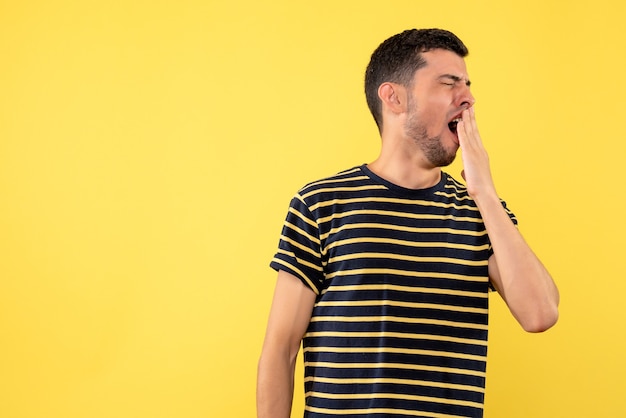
(399, 327)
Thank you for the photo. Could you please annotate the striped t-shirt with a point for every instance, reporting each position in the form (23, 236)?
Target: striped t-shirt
(399, 327)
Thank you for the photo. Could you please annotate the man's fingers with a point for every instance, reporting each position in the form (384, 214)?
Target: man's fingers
(467, 130)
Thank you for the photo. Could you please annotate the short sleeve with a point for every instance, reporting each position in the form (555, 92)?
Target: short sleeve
(299, 251)
(508, 211)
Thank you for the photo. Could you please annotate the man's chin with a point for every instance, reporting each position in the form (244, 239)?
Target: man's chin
(448, 161)
(438, 154)
(441, 159)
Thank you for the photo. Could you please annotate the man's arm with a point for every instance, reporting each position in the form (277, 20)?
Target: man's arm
(514, 270)
(288, 320)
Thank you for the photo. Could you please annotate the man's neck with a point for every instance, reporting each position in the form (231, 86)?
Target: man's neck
(405, 172)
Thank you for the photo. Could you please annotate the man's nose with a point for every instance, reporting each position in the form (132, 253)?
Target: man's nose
(466, 99)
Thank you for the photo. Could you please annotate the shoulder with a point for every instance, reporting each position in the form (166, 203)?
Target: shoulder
(336, 180)
(344, 189)
(344, 182)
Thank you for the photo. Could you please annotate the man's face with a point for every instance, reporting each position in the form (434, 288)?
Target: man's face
(440, 92)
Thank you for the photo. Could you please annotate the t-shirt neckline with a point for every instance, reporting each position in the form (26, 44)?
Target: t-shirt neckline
(413, 193)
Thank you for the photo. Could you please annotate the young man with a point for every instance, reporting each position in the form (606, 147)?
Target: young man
(384, 270)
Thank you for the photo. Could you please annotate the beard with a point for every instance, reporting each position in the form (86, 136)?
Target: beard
(431, 146)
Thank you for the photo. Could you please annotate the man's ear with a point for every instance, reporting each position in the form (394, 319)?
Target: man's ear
(393, 96)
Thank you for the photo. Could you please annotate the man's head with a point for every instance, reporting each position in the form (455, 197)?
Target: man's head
(398, 58)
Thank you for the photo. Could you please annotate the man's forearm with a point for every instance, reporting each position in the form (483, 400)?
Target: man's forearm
(274, 386)
(518, 274)
(289, 318)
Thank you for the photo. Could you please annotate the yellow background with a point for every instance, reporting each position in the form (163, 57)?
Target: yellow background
(149, 149)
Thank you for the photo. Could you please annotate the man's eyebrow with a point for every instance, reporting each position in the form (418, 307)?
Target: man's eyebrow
(455, 78)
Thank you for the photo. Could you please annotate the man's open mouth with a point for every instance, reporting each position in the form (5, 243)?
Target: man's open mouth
(452, 124)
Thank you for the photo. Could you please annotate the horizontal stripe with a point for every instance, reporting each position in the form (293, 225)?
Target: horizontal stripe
(416, 259)
(414, 305)
(404, 335)
(412, 229)
(392, 350)
(424, 321)
(391, 381)
(408, 289)
(397, 214)
(424, 203)
(301, 261)
(343, 189)
(405, 243)
(299, 246)
(383, 271)
(454, 196)
(402, 366)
